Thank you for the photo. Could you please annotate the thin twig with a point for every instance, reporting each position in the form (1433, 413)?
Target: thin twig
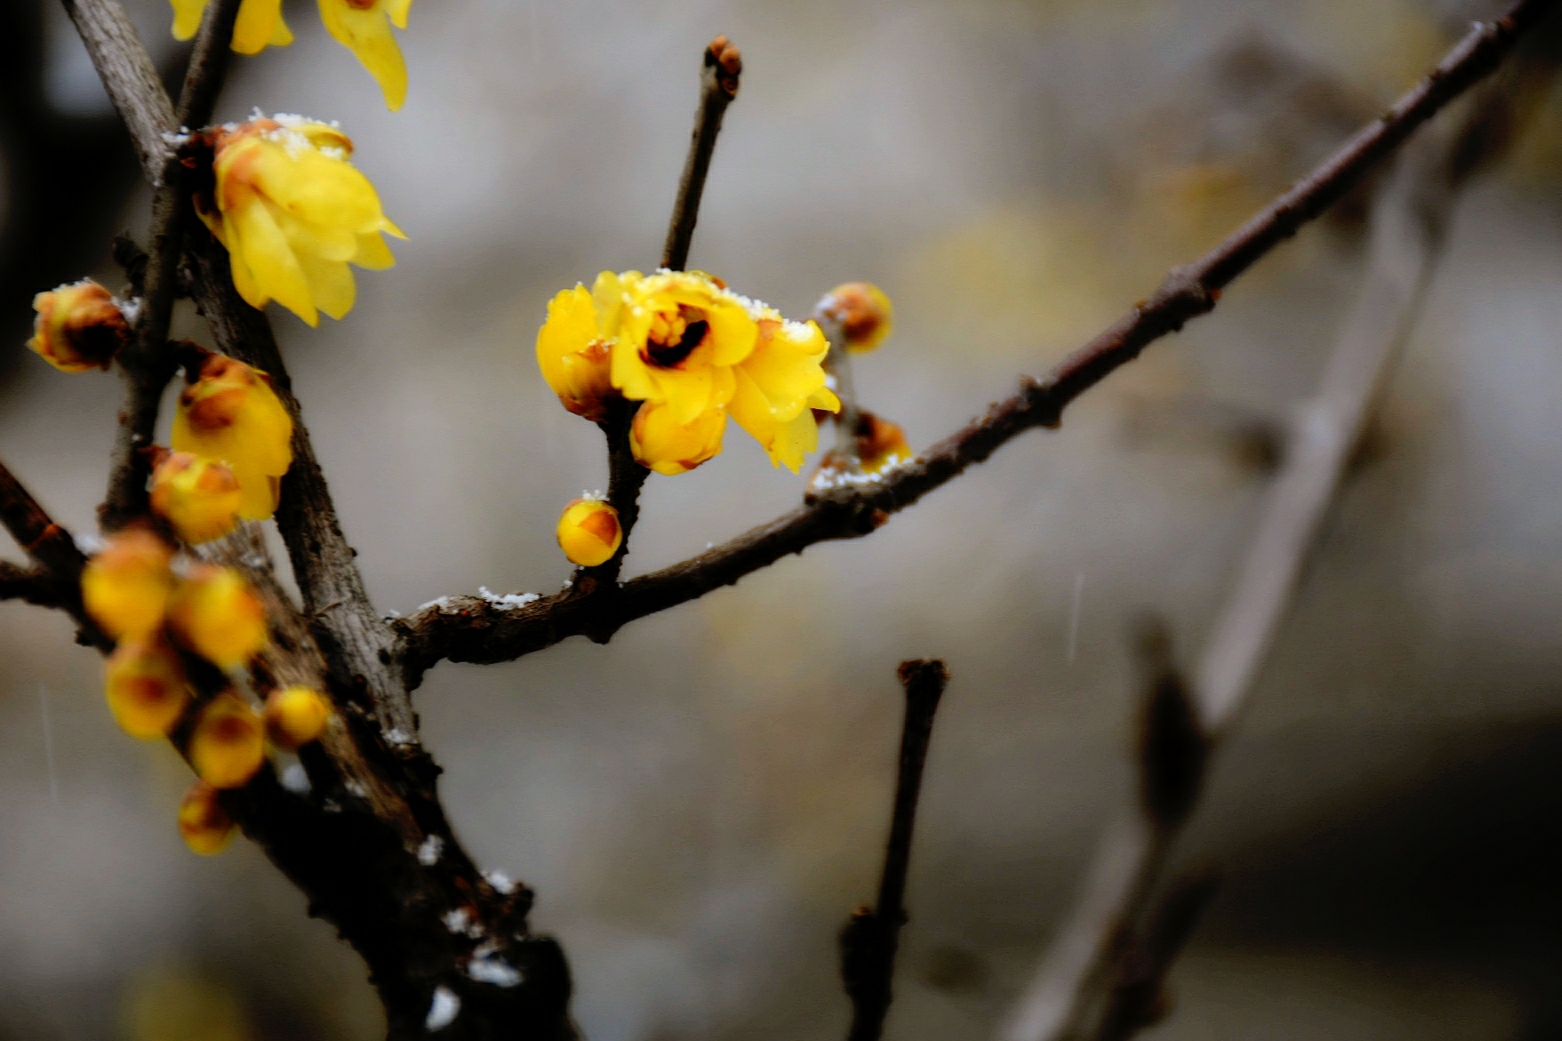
(29, 584)
(719, 76)
(145, 364)
(470, 629)
(838, 363)
(1101, 976)
(52, 547)
(870, 938)
(129, 77)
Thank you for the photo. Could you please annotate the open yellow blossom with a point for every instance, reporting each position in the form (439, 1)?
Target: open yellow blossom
(227, 746)
(79, 327)
(660, 442)
(574, 345)
(203, 824)
(259, 24)
(126, 586)
(778, 387)
(146, 687)
(589, 532)
(215, 613)
(293, 213)
(295, 716)
(364, 27)
(199, 497)
(231, 415)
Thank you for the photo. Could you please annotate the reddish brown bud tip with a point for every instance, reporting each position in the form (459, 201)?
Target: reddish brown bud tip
(723, 55)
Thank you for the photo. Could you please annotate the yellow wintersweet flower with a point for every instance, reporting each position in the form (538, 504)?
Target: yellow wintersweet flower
(574, 345)
(125, 587)
(778, 387)
(295, 716)
(364, 27)
(589, 532)
(660, 442)
(145, 687)
(231, 415)
(259, 24)
(199, 497)
(293, 213)
(79, 327)
(227, 747)
(215, 613)
(203, 823)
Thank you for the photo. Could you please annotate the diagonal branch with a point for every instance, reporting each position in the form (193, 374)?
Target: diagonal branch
(52, 548)
(476, 630)
(29, 585)
(146, 365)
(358, 645)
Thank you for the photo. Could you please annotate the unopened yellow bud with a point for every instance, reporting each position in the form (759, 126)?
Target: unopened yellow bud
(146, 687)
(231, 415)
(216, 614)
(79, 327)
(205, 825)
(199, 497)
(227, 746)
(574, 346)
(589, 533)
(295, 716)
(862, 311)
(880, 443)
(126, 586)
(660, 442)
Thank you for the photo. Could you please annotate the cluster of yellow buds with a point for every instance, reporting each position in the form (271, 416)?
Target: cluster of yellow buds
(362, 26)
(79, 327)
(692, 352)
(293, 212)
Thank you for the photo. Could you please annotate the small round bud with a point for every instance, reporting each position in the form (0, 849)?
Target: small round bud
(145, 687)
(215, 613)
(126, 586)
(204, 824)
(79, 327)
(295, 716)
(199, 497)
(589, 533)
(880, 443)
(660, 442)
(723, 55)
(862, 311)
(227, 746)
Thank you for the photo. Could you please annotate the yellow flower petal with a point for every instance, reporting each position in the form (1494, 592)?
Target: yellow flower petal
(397, 9)
(231, 415)
(367, 33)
(331, 284)
(257, 25)
(270, 259)
(669, 447)
(373, 254)
(187, 17)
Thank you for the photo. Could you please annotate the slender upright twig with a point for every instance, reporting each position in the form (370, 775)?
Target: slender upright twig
(718, 86)
(470, 629)
(1096, 981)
(145, 364)
(870, 938)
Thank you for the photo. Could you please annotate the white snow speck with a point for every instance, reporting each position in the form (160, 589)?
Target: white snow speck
(456, 921)
(442, 1011)
(509, 601)
(500, 881)
(89, 543)
(398, 736)
(441, 602)
(295, 780)
(429, 851)
(486, 968)
(130, 307)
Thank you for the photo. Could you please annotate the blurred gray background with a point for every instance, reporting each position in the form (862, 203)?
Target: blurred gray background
(701, 803)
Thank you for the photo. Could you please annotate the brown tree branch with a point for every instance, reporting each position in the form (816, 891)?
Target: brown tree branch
(719, 76)
(146, 365)
(1101, 975)
(30, 585)
(870, 938)
(52, 548)
(129, 77)
(470, 629)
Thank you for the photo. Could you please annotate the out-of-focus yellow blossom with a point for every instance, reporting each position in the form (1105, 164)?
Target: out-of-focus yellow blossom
(574, 345)
(227, 746)
(259, 24)
(126, 586)
(203, 823)
(293, 213)
(669, 447)
(693, 351)
(863, 313)
(231, 415)
(589, 532)
(79, 327)
(217, 615)
(295, 716)
(364, 27)
(146, 687)
(199, 497)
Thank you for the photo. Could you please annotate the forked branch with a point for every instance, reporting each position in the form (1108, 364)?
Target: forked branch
(470, 629)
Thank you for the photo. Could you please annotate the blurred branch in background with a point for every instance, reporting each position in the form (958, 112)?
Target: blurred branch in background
(1102, 978)
(474, 629)
(870, 938)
